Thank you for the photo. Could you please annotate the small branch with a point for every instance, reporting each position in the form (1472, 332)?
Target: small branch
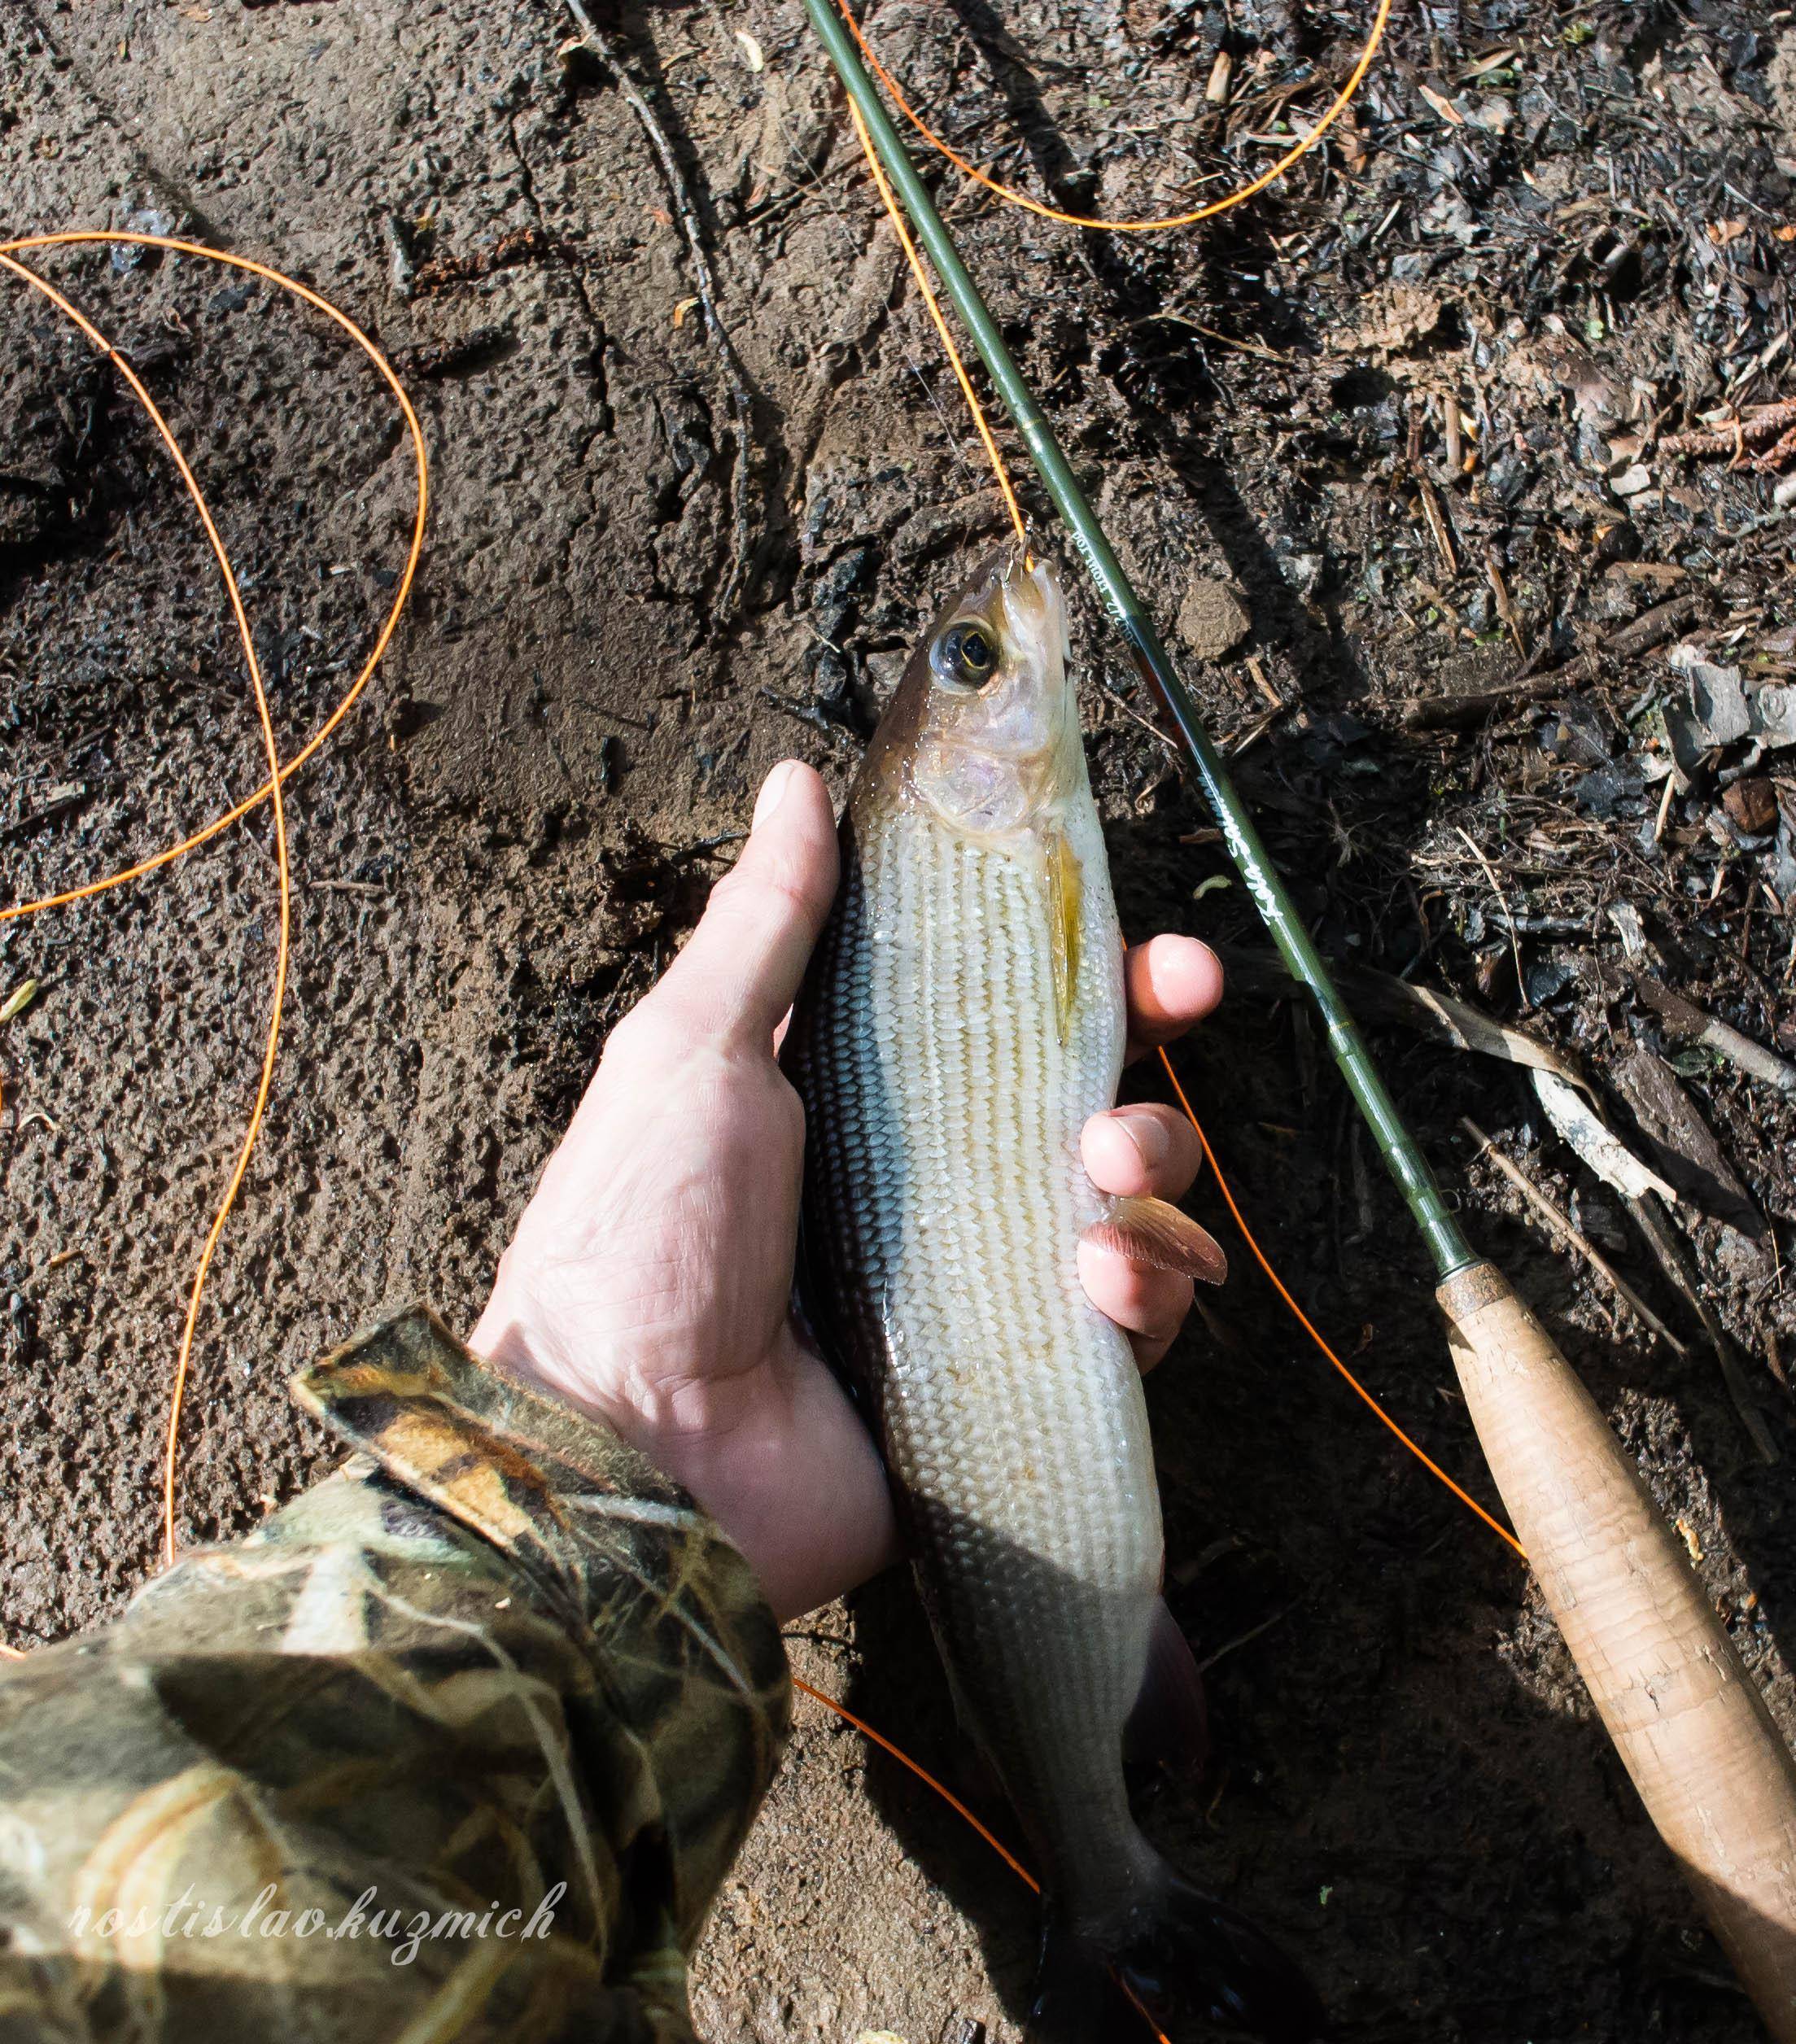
(1689, 1024)
(1502, 903)
(741, 397)
(1649, 1216)
(1566, 1228)
(1454, 713)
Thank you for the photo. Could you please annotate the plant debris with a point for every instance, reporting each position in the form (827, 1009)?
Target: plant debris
(1423, 413)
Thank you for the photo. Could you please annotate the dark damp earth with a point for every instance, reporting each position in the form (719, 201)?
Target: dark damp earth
(1395, 434)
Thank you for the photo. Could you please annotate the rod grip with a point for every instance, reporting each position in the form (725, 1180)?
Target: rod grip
(1691, 1727)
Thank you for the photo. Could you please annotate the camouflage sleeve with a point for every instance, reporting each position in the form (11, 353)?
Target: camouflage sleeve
(458, 1744)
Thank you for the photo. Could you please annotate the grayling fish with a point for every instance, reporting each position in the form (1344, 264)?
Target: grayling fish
(964, 1014)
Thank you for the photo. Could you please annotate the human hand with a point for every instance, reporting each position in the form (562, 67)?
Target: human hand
(649, 1281)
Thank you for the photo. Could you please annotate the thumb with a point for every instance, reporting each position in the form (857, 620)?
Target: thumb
(740, 968)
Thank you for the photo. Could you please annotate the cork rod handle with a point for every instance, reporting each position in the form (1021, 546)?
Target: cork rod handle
(1692, 1729)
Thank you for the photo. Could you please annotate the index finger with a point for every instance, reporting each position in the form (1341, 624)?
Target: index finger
(1171, 983)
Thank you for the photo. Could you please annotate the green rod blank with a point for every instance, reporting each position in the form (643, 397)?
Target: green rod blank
(1396, 1146)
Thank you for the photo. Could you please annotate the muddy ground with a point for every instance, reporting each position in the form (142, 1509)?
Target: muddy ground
(1560, 226)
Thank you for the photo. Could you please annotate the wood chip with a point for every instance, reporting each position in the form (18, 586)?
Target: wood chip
(1685, 1150)
(1605, 1154)
(1752, 804)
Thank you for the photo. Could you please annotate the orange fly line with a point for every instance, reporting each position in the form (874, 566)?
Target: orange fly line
(1010, 195)
(278, 771)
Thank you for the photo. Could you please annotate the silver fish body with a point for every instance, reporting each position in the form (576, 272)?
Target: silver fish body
(945, 1195)
(963, 1016)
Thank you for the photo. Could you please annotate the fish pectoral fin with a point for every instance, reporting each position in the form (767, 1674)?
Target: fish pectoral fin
(1065, 924)
(1153, 1232)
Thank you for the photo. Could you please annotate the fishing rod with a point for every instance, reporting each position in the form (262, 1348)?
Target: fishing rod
(1691, 1727)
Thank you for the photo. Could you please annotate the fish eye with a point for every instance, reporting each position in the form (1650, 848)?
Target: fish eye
(966, 656)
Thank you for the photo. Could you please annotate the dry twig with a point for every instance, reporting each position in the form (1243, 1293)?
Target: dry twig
(1564, 1227)
(741, 398)
(1505, 603)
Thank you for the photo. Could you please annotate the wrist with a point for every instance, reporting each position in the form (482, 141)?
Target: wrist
(511, 1338)
(507, 1338)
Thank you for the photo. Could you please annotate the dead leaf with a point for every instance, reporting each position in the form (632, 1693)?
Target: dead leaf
(1721, 232)
(18, 1000)
(1399, 316)
(1444, 106)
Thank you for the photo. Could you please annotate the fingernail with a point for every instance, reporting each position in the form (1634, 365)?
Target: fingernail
(773, 792)
(1148, 1132)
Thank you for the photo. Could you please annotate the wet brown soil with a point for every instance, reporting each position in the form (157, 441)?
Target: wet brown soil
(1390, 435)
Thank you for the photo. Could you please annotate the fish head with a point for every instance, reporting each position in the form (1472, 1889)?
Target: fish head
(985, 728)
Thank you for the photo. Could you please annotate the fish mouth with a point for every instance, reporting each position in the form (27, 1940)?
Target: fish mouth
(1019, 593)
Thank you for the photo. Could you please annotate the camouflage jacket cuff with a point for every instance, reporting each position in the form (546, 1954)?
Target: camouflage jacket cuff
(682, 1643)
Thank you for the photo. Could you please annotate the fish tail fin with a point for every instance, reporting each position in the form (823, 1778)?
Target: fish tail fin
(1076, 1997)
(1198, 1956)
(1178, 1950)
